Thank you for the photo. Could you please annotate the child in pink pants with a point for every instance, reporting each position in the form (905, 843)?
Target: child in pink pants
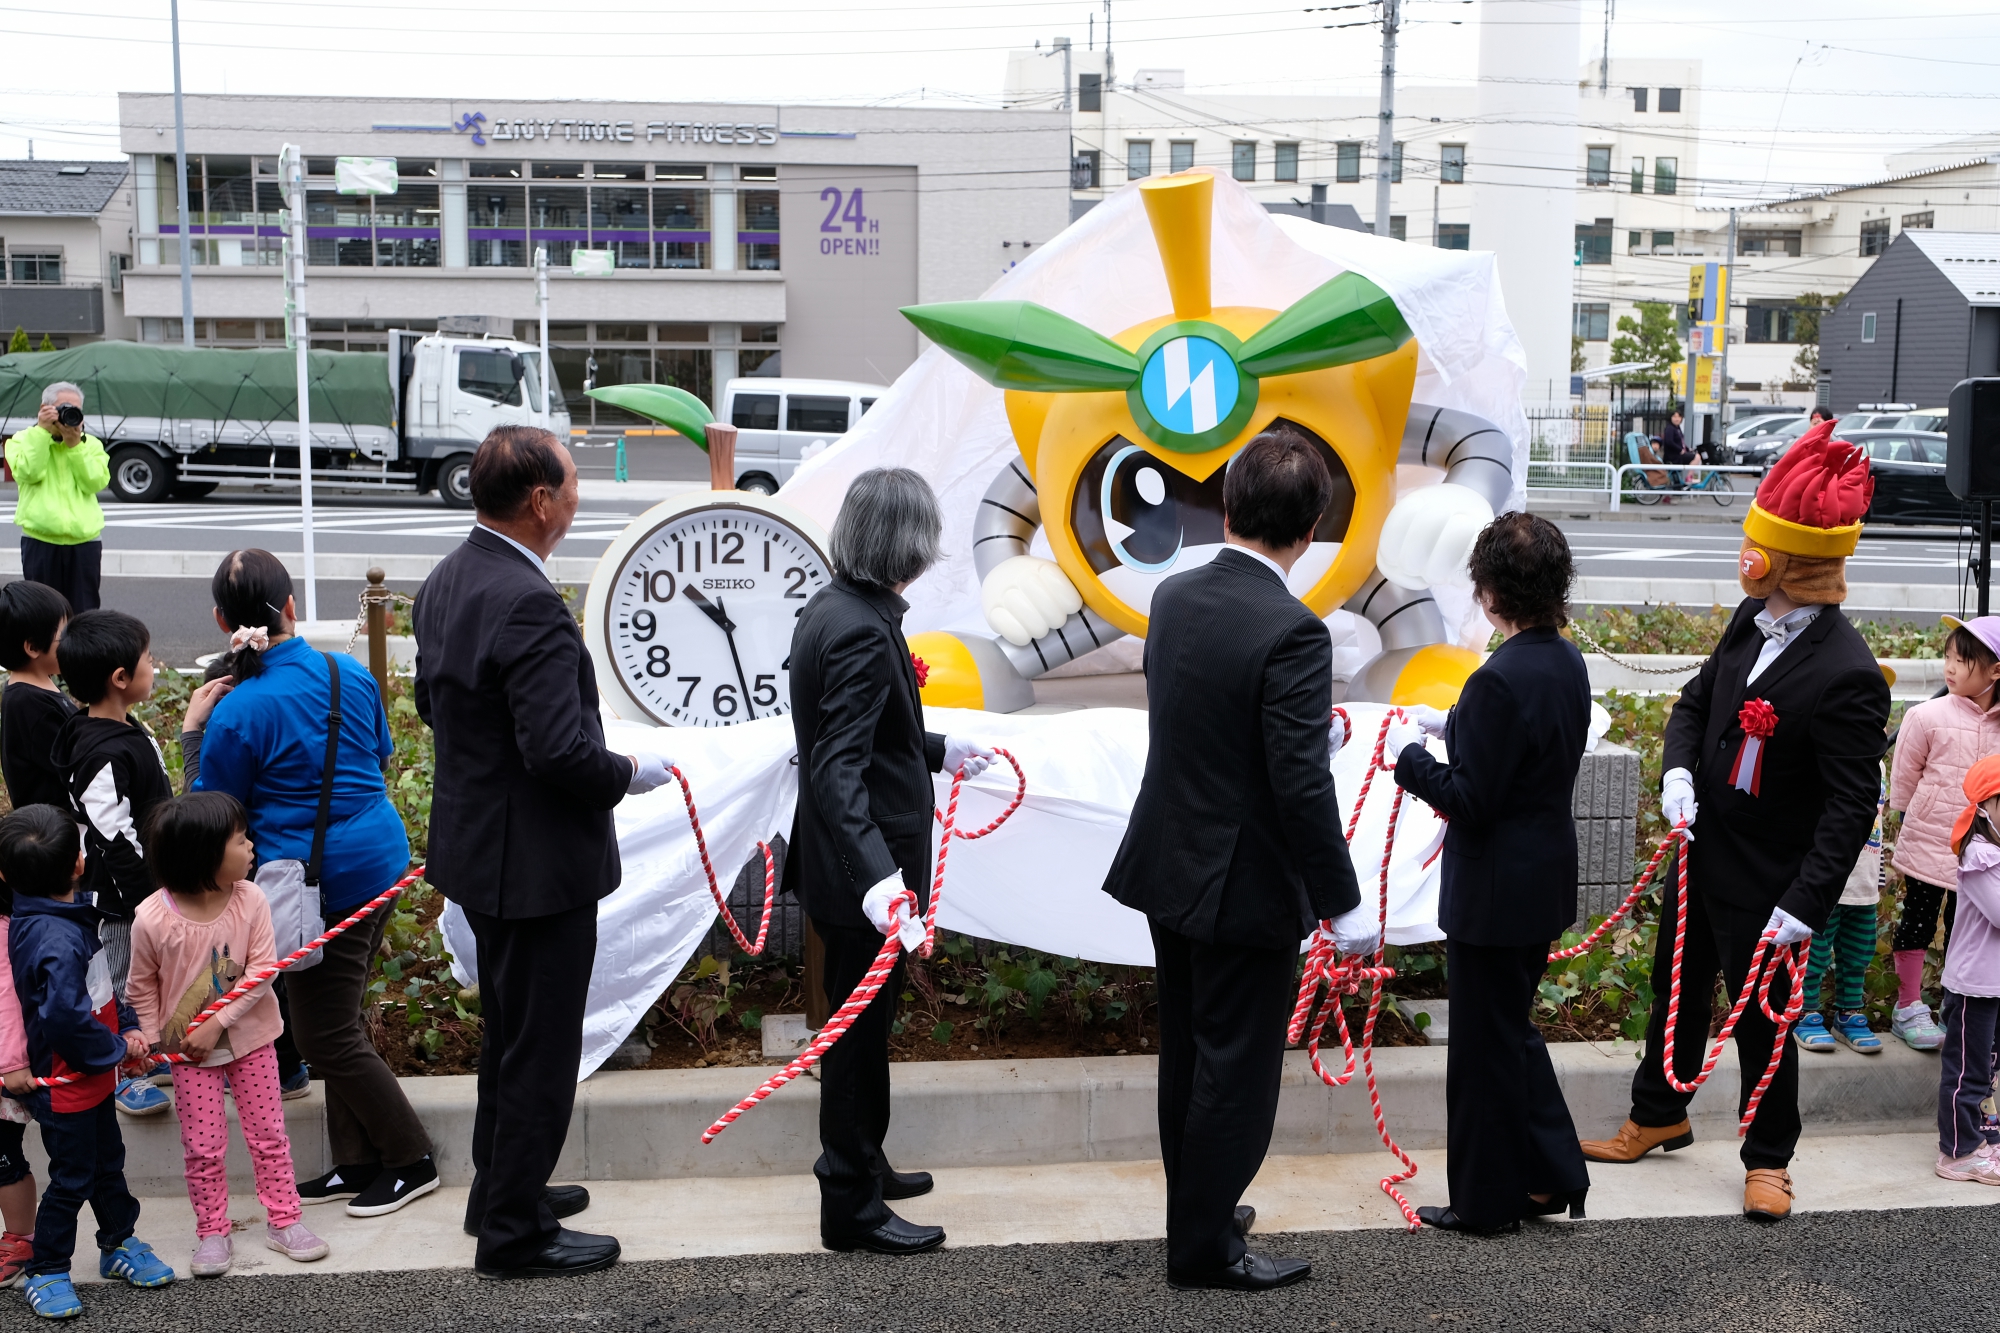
(191, 942)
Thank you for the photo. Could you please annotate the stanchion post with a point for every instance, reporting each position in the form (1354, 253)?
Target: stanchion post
(378, 630)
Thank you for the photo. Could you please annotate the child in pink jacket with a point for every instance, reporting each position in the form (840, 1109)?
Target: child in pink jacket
(190, 945)
(17, 1183)
(1938, 744)
(1967, 1148)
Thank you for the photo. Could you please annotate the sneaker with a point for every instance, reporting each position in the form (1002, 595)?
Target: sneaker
(161, 1075)
(51, 1296)
(395, 1187)
(136, 1263)
(1851, 1029)
(212, 1256)
(1978, 1166)
(295, 1242)
(137, 1096)
(1915, 1026)
(15, 1252)
(343, 1182)
(298, 1085)
(1811, 1034)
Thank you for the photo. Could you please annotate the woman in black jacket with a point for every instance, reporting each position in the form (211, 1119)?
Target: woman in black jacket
(1516, 739)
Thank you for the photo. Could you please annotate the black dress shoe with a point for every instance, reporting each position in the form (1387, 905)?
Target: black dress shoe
(1444, 1219)
(563, 1201)
(1253, 1272)
(894, 1236)
(1246, 1217)
(905, 1184)
(1557, 1202)
(571, 1252)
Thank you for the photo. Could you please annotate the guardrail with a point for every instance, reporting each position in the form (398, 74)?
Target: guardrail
(1686, 487)
(1606, 479)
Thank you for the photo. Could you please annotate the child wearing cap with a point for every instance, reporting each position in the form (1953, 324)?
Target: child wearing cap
(1967, 1149)
(1938, 744)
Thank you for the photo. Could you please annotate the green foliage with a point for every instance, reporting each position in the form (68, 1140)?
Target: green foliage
(19, 342)
(1675, 629)
(48, 344)
(1575, 353)
(1651, 338)
(1807, 308)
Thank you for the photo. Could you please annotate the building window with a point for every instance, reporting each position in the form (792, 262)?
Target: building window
(1399, 226)
(1666, 175)
(1868, 327)
(1285, 161)
(1591, 320)
(1454, 236)
(557, 216)
(1243, 161)
(1083, 170)
(1089, 92)
(681, 237)
(1396, 164)
(496, 221)
(1451, 163)
(1347, 161)
(1769, 243)
(120, 265)
(1138, 159)
(34, 266)
(1918, 221)
(1638, 99)
(1593, 243)
(1663, 242)
(1597, 165)
(757, 231)
(1180, 154)
(1767, 323)
(1635, 242)
(1638, 175)
(1670, 101)
(1874, 237)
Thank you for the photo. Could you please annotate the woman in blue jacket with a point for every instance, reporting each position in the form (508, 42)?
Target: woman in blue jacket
(265, 744)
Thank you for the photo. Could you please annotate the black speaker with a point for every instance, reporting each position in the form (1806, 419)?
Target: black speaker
(1972, 440)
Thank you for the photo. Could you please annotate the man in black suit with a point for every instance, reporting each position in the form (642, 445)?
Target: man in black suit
(1234, 849)
(863, 832)
(521, 836)
(1775, 820)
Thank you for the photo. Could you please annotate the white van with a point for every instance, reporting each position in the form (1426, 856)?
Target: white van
(776, 420)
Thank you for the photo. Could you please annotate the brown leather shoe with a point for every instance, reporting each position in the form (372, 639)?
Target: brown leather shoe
(1767, 1194)
(1632, 1142)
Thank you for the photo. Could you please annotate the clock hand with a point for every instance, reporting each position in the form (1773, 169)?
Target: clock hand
(729, 632)
(709, 609)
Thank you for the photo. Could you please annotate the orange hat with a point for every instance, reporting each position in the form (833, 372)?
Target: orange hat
(1981, 784)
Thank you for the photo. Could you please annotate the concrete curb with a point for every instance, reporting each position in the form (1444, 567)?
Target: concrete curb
(1612, 590)
(122, 563)
(647, 1124)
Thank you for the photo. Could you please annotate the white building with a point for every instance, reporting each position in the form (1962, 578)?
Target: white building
(745, 239)
(63, 242)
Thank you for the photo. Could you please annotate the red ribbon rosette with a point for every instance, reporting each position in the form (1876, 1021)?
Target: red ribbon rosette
(923, 670)
(1759, 722)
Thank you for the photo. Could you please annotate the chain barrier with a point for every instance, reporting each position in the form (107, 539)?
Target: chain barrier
(1583, 636)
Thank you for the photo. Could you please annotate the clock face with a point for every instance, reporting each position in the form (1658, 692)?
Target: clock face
(697, 620)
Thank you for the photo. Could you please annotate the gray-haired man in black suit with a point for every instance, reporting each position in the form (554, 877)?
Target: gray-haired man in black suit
(1234, 849)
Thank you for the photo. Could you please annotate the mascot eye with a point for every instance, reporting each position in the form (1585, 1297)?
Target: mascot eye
(1152, 487)
(1131, 512)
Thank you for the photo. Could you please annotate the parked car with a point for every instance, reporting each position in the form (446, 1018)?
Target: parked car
(779, 420)
(1928, 419)
(1909, 478)
(1845, 426)
(1763, 447)
(1747, 428)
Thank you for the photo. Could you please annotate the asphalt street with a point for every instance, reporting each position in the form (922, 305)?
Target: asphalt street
(1866, 1272)
(1647, 549)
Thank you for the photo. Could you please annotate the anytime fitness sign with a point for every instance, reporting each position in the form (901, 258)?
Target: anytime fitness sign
(482, 129)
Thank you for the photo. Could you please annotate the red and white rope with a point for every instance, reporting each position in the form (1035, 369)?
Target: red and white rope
(259, 976)
(885, 959)
(715, 889)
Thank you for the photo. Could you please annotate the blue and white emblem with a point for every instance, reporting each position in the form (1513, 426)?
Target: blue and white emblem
(1189, 385)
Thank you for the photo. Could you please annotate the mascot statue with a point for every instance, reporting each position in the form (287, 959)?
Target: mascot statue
(1124, 441)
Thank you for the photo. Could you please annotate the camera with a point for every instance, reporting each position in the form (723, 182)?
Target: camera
(69, 415)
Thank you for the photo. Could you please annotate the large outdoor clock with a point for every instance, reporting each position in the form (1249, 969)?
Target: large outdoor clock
(689, 617)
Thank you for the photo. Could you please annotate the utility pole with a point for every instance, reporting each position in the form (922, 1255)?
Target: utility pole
(542, 309)
(1386, 143)
(292, 179)
(181, 199)
(1069, 75)
(1108, 78)
(1604, 65)
(1722, 330)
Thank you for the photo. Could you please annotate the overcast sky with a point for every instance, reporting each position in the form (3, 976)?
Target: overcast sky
(1793, 101)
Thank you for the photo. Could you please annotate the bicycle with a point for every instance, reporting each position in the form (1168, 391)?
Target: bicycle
(1655, 483)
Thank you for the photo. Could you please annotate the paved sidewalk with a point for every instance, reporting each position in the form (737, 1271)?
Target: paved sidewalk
(1088, 1202)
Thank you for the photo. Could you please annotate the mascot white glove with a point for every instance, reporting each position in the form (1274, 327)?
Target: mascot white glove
(1337, 736)
(1403, 732)
(958, 753)
(1431, 720)
(1428, 536)
(649, 771)
(1358, 931)
(1026, 597)
(891, 914)
(1790, 929)
(1677, 798)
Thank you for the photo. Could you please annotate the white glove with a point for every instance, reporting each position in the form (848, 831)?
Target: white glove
(1403, 732)
(1790, 929)
(889, 912)
(1427, 538)
(1337, 735)
(1026, 597)
(1358, 931)
(1677, 798)
(1432, 720)
(974, 759)
(649, 771)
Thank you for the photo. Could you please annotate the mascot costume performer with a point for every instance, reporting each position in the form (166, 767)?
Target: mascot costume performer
(1773, 762)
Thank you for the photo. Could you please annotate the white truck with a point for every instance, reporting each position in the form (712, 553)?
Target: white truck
(179, 422)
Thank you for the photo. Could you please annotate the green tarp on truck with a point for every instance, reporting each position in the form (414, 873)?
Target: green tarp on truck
(122, 379)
